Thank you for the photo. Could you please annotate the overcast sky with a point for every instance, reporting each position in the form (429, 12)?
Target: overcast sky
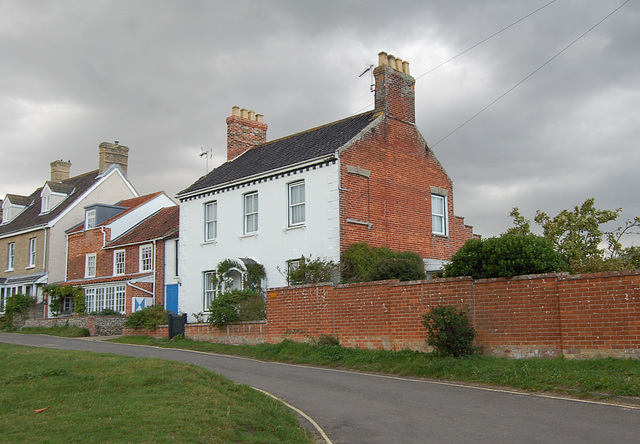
(161, 77)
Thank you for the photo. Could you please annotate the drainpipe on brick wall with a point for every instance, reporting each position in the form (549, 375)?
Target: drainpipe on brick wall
(155, 272)
(66, 257)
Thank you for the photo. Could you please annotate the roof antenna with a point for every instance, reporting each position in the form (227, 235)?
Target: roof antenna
(207, 153)
(373, 83)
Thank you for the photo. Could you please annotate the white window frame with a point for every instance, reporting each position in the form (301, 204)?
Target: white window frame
(32, 252)
(46, 203)
(437, 218)
(210, 216)
(296, 207)
(119, 258)
(2, 298)
(11, 256)
(90, 220)
(113, 297)
(146, 258)
(250, 209)
(209, 289)
(90, 265)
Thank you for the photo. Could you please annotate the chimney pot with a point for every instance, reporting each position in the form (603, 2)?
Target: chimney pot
(244, 113)
(405, 68)
(252, 115)
(382, 59)
(235, 111)
(258, 117)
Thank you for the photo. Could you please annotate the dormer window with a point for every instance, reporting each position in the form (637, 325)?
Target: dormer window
(46, 202)
(90, 220)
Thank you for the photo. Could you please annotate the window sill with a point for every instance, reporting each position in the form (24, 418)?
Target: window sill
(295, 227)
(444, 236)
(10, 270)
(209, 242)
(30, 267)
(248, 236)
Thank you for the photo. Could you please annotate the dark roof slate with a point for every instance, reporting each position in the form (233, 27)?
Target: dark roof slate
(290, 150)
(31, 217)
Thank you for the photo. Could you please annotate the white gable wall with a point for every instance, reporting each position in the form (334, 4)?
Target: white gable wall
(274, 243)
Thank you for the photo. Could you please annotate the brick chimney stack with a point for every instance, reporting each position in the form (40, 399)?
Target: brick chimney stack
(245, 129)
(60, 170)
(113, 153)
(395, 88)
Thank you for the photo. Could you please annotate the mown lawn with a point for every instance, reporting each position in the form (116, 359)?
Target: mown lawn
(592, 378)
(59, 396)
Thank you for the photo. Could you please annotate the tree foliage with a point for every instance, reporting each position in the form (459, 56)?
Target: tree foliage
(505, 256)
(148, 318)
(362, 263)
(578, 236)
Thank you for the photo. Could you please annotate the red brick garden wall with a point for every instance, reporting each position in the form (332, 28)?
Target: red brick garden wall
(544, 315)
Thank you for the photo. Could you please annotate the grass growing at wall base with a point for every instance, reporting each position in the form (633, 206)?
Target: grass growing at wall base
(97, 398)
(594, 378)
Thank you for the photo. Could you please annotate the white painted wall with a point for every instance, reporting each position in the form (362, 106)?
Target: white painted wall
(274, 244)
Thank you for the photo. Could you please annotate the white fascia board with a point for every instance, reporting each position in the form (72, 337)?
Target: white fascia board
(103, 178)
(292, 166)
(26, 230)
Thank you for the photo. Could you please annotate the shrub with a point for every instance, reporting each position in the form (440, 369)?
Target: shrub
(311, 271)
(16, 304)
(403, 268)
(449, 331)
(505, 256)
(362, 263)
(237, 306)
(148, 318)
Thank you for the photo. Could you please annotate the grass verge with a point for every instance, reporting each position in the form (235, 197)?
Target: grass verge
(592, 378)
(66, 331)
(96, 398)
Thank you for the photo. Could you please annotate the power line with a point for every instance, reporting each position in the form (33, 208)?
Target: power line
(485, 39)
(471, 47)
(531, 74)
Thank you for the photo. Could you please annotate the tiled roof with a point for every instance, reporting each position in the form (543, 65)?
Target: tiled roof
(163, 224)
(290, 150)
(107, 279)
(31, 217)
(59, 187)
(16, 199)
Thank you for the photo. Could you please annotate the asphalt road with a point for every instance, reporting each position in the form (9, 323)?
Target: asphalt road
(363, 408)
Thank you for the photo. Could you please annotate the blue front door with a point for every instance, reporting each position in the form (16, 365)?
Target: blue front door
(171, 298)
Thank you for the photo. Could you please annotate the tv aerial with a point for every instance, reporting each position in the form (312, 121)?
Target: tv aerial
(369, 69)
(207, 153)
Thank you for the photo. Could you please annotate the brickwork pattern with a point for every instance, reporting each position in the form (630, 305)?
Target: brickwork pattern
(243, 134)
(552, 315)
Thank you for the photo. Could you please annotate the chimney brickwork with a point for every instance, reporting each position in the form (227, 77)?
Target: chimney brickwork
(245, 129)
(113, 153)
(395, 88)
(60, 170)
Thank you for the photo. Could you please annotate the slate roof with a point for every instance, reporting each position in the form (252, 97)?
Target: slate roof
(31, 217)
(290, 150)
(16, 199)
(163, 224)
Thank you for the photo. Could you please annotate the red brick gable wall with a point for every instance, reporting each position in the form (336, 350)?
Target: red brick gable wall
(86, 242)
(396, 197)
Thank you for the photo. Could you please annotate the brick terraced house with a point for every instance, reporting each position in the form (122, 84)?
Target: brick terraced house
(367, 178)
(124, 255)
(32, 231)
